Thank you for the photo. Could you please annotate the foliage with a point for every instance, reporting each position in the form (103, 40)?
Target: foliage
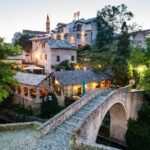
(104, 32)
(101, 59)
(24, 42)
(6, 73)
(138, 133)
(83, 55)
(20, 109)
(116, 15)
(146, 81)
(148, 43)
(121, 68)
(112, 41)
(50, 107)
(65, 65)
(138, 57)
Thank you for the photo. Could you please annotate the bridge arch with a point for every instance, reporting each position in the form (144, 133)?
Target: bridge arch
(118, 108)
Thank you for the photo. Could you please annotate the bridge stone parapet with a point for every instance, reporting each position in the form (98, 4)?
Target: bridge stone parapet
(66, 113)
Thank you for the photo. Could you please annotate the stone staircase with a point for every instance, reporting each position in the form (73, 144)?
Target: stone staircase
(59, 137)
(74, 121)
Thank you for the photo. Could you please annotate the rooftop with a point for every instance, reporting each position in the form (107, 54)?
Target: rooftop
(78, 76)
(19, 57)
(60, 44)
(30, 79)
(34, 32)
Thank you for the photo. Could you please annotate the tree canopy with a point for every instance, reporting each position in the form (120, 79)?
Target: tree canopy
(24, 42)
(6, 73)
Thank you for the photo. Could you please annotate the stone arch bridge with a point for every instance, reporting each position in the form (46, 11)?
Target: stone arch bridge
(82, 120)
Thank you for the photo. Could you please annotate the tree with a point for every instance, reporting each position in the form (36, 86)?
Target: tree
(6, 74)
(24, 41)
(138, 133)
(112, 38)
(105, 34)
(146, 81)
(83, 55)
(50, 107)
(101, 59)
(65, 65)
(121, 70)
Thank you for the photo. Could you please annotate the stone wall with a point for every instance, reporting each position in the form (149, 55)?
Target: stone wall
(62, 116)
(16, 126)
(28, 104)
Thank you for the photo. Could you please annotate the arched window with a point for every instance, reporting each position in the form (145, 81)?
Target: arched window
(43, 92)
(25, 91)
(32, 93)
(18, 89)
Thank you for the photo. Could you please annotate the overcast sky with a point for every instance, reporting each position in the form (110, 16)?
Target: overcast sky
(16, 15)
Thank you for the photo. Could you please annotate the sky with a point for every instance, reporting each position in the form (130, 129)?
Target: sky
(16, 15)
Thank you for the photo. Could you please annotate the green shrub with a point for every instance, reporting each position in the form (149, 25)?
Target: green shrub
(20, 109)
(138, 133)
(49, 107)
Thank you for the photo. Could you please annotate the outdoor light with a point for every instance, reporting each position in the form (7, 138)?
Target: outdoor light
(99, 66)
(94, 85)
(84, 68)
(141, 70)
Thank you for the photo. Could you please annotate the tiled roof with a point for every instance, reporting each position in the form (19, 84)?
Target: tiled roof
(60, 44)
(78, 76)
(34, 32)
(30, 79)
(90, 20)
(32, 67)
(19, 57)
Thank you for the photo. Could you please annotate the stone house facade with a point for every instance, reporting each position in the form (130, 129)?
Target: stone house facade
(31, 90)
(79, 33)
(49, 53)
(139, 38)
(69, 84)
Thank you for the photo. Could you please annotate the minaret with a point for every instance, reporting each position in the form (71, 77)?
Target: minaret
(48, 24)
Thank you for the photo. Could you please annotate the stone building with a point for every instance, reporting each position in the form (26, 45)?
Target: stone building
(139, 38)
(69, 84)
(31, 90)
(78, 32)
(49, 53)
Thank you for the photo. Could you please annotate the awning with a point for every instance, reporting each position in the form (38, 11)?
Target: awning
(33, 67)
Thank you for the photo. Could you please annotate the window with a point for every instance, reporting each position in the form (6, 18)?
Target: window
(65, 37)
(58, 58)
(72, 58)
(79, 46)
(41, 56)
(25, 91)
(19, 90)
(43, 92)
(45, 56)
(78, 36)
(58, 90)
(32, 93)
(79, 27)
(58, 37)
(43, 45)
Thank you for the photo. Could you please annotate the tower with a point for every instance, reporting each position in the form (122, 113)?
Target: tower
(47, 24)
